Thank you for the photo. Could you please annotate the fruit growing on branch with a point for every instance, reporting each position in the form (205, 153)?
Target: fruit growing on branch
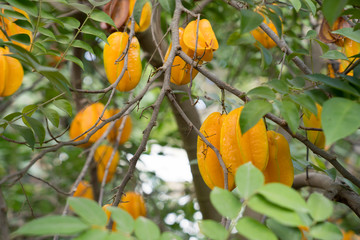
(11, 73)
(200, 36)
(180, 71)
(261, 36)
(145, 18)
(102, 157)
(314, 121)
(280, 167)
(114, 60)
(84, 190)
(126, 130)
(209, 166)
(134, 204)
(85, 119)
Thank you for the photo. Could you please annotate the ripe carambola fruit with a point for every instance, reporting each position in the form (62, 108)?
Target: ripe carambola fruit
(316, 137)
(237, 148)
(134, 204)
(85, 119)
(114, 52)
(125, 133)
(209, 166)
(279, 168)
(11, 28)
(350, 48)
(145, 18)
(102, 157)
(180, 70)
(262, 37)
(11, 73)
(84, 190)
(206, 42)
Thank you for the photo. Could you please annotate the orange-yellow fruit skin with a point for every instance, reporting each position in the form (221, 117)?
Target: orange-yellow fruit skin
(262, 37)
(316, 137)
(209, 166)
(11, 28)
(84, 190)
(237, 149)
(180, 71)
(279, 168)
(102, 157)
(145, 19)
(134, 204)
(11, 73)
(108, 214)
(113, 51)
(207, 42)
(126, 131)
(350, 49)
(85, 119)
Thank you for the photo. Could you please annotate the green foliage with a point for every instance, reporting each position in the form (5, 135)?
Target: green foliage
(252, 113)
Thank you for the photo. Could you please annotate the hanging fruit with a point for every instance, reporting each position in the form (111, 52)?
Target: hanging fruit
(126, 131)
(209, 166)
(206, 41)
(85, 119)
(314, 121)
(180, 71)
(134, 204)
(145, 18)
(102, 156)
(11, 28)
(11, 73)
(280, 167)
(84, 190)
(114, 56)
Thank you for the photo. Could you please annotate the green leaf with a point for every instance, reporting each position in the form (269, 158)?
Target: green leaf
(284, 232)
(249, 20)
(145, 229)
(97, 3)
(26, 5)
(139, 4)
(52, 115)
(275, 19)
(168, 5)
(311, 6)
(324, 47)
(26, 133)
(266, 57)
(262, 92)
(351, 79)
(21, 38)
(12, 14)
(93, 234)
(81, 7)
(339, 118)
(118, 236)
(248, 180)
(334, 82)
(296, 4)
(320, 207)
(94, 31)
(334, 54)
(11, 116)
(332, 9)
(298, 82)
(57, 79)
(279, 86)
(305, 101)
(326, 231)
(75, 60)
(124, 221)
(52, 225)
(311, 34)
(284, 216)
(88, 210)
(169, 236)
(64, 105)
(349, 33)
(46, 32)
(253, 230)
(70, 22)
(101, 16)
(252, 113)
(290, 112)
(225, 202)
(37, 127)
(84, 45)
(213, 230)
(283, 196)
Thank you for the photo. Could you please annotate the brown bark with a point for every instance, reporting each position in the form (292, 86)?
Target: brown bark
(189, 136)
